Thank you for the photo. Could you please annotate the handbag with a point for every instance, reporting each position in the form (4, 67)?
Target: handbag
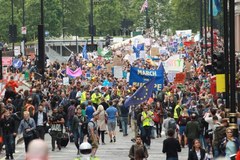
(35, 133)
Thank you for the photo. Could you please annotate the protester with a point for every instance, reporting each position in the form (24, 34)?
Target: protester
(41, 120)
(78, 126)
(112, 114)
(146, 119)
(229, 145)
(56, 122)
(8, 125)
(171, 146)
(27, 126)
(93, 133)
(192, 130)
(102, 124)
(197, 153)
(138, 151)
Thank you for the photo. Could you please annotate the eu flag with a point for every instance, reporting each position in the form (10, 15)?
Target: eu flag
(142, 94)
(84, 52)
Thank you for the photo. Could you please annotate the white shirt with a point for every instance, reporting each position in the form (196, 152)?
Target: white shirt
(40, 119)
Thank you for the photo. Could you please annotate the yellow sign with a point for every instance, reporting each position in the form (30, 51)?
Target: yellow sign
(220, 81)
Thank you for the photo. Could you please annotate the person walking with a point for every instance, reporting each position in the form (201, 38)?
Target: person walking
(41, 120)
(124, 118)
(56, 122)
(192, 130)
(171, 146)
(229, 145)
(102, 126)
(197, 152)
(146, 119)
(112, 114)
(27, 126)
(138, 151)
(8, 127)
(79, 121)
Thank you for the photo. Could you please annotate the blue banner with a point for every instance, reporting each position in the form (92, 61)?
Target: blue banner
(139, 77)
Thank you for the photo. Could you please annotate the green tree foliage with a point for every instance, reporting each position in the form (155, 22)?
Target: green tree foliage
(72, 16)
(185, 14)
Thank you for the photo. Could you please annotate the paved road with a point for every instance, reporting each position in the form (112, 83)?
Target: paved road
(110, 151)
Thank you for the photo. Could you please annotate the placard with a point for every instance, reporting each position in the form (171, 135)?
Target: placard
(180, 78)
(6, 61)
(118, 71)
(154, 51)
(66, 81)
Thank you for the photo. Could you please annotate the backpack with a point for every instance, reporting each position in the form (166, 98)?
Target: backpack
(172, 124)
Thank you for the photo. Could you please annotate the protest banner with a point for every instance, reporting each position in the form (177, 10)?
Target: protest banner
(174, 63)
(139, 77)
(180, 78)
(6, 61)
(118, 71)
(154, 51)
(142, 54)
(183, 33)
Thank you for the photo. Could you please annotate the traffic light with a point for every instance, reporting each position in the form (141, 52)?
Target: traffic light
(218, 63)
(12, 33)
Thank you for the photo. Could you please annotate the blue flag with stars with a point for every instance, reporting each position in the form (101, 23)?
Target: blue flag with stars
(142, 94)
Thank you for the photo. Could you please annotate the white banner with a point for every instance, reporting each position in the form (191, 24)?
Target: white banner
(118, 71)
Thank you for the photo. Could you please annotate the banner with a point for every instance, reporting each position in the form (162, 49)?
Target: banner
(6, 61)
(76, 73)
(174, 63)
(139, 77)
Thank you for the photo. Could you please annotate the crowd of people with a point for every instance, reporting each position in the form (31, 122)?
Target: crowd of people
(90, 106)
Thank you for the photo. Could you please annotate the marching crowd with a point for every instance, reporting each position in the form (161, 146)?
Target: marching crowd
(188, 113)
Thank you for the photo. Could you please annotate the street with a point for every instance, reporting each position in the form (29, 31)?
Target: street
(110, 151)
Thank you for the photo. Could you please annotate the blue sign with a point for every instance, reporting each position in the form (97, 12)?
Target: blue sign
(17, 63)
(139, 77)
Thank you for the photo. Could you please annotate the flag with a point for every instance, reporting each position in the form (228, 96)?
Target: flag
(142, 94)
(216, 4)
(76, 73)
(140, 47)
(84, 52)
(144, 6)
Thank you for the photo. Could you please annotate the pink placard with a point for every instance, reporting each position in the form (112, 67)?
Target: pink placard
(6, 61)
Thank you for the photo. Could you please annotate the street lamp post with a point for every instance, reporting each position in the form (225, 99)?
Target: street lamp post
(23, 23)
(41, 44)
(226, 53)
(91, 24)
(12, 23)
(232, 115)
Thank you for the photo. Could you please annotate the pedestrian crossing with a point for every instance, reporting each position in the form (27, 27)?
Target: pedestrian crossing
(110, 151)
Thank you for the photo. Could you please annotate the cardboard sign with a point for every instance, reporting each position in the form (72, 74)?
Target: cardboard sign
(117, 61)
(118, 71)
(154, 51)
(180, 78)
(66, 81)
(109, 67)
(6, 61)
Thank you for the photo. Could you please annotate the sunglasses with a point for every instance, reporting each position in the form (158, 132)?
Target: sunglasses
(229, 132)
(145, 108)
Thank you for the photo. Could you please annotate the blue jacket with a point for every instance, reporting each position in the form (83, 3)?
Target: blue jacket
(222, 146)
